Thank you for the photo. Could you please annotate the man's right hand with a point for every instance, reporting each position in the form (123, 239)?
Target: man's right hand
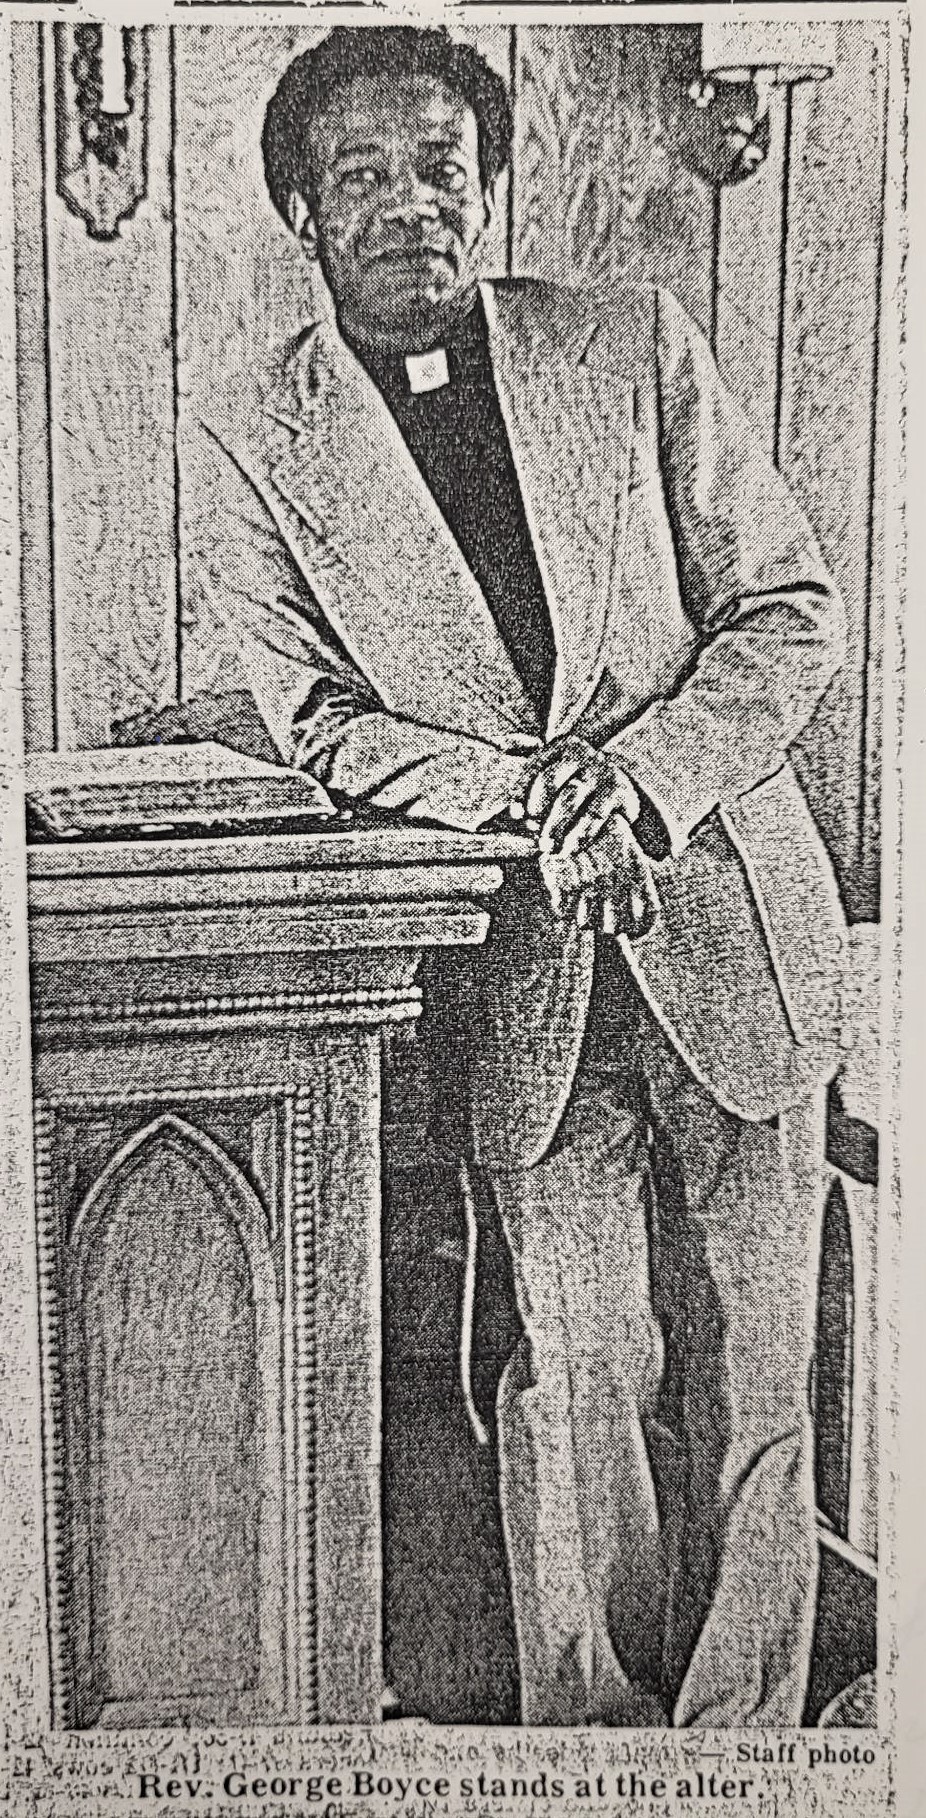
(607, 888)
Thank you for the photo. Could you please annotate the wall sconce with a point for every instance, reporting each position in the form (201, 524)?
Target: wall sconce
(720, 114)
(101, 123)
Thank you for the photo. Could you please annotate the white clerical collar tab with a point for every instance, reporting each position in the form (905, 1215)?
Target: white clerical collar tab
(427, 372)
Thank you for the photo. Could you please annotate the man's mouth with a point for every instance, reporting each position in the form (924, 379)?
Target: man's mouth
(411, 258)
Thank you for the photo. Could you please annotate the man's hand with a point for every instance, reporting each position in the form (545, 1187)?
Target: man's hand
(573, 795)
(583, 806)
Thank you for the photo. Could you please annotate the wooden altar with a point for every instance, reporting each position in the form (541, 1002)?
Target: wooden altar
(208, 1021)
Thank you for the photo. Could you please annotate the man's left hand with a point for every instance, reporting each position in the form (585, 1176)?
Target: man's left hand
(583, 806)
(574, 794)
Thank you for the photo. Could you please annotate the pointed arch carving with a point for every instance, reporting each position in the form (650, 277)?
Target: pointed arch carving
(239, 1197)
(174, 1440)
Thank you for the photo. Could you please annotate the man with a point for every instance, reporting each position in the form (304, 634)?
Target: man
(500, 551)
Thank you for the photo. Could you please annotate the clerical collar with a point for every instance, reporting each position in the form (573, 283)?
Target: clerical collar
(427, 371)
(414, 375)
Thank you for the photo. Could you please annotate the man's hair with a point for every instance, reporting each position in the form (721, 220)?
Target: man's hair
(309, 83)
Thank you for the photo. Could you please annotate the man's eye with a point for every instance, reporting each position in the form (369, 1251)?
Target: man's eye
(359, 180)
(447, 175)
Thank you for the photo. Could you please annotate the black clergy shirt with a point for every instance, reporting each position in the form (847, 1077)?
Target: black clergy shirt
(458, 439)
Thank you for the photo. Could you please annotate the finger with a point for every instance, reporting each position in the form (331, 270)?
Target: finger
(593, 819)
(579, 821)
(554, 893)
(598, 912)
(570, 798)
(589, 868)
(604, 913)
(564, 901)
(608, 863)
(540, 784)
(553, 878)
(552, 766)
(517, 812)
(619, 892)
(547, 784)
(645, 908)
(563, 885)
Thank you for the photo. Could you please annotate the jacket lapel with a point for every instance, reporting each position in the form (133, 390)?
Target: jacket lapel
(569, 417)
(382, 559)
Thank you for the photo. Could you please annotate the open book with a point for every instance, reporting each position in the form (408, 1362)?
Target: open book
(161, 789)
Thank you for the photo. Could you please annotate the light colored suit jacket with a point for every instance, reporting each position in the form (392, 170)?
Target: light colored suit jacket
(696, 628)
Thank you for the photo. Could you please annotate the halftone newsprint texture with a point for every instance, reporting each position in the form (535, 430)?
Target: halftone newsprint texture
(452, 500)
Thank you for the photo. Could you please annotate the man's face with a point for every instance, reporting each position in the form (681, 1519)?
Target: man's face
(400, 211)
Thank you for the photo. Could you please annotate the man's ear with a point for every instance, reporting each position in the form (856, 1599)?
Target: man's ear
(300, 220)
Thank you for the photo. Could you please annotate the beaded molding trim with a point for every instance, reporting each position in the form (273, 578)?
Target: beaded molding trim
(388, 1004)
(57, 1526)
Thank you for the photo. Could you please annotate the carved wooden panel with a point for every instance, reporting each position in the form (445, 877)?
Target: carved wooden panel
(161, 1284)
(56, 1497)
(209, 1289)
(334, 1144)
(101, 123)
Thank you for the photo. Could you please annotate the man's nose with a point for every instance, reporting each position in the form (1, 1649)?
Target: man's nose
(408, 198)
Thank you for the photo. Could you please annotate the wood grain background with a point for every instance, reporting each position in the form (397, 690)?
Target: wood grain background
(119, 341)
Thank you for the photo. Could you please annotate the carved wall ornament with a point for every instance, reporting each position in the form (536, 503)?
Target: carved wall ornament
(101, 123)
(717, 115)
(720, 128)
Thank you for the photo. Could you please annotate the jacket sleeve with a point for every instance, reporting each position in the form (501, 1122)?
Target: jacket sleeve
(321, 711)
(752, 578)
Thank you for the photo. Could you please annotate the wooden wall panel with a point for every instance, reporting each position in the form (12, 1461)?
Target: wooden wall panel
(878, 644)
(598, 195)
(35, 506)
(153, 1410)
(827, 407)
(173, 1424)
(111, 388)
(882, 639)
(748, 282)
